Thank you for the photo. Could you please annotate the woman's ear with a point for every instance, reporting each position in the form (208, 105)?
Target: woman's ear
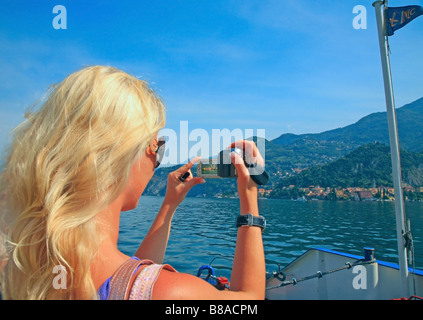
(153, 146)
(151, 149)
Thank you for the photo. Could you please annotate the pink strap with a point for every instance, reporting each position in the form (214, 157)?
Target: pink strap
(142, 289)
(135, 280)
(122, 280)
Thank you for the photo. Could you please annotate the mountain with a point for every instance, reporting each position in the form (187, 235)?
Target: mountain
(367, 166)
(373, 127)
(290, 152)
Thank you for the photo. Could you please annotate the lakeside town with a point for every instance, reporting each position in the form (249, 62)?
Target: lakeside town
(351, 193)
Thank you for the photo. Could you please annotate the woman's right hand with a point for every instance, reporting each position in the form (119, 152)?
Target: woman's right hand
(247, 188)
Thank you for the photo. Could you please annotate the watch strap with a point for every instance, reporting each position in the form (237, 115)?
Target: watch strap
(249, 220)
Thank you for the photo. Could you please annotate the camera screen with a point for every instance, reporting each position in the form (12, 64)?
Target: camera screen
(209, 169)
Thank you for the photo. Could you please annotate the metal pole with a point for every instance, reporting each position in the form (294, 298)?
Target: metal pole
(394, 144)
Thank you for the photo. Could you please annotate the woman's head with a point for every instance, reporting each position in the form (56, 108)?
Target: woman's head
(69, 160)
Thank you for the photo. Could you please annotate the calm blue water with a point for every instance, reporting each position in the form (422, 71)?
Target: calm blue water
(204, 229)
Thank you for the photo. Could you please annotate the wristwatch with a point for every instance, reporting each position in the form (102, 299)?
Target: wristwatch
(248, 220)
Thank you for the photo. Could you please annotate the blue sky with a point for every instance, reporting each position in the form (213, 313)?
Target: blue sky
(294, 66)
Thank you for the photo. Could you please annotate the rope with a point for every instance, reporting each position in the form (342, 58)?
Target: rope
(320, 274)
(221, 257)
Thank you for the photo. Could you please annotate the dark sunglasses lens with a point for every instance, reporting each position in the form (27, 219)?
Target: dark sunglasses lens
(160, 152)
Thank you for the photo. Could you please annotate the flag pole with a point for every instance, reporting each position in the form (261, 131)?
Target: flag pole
(394, 145)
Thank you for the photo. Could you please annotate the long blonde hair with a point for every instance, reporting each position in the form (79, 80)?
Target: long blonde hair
(68, 161)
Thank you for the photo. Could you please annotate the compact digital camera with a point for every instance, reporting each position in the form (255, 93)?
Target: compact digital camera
(222, 167)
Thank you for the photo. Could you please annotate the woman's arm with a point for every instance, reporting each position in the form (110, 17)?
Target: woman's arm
(154, 244)
(153, 247)
(248, 272)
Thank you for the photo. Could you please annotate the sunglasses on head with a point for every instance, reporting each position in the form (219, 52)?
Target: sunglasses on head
(160, 149)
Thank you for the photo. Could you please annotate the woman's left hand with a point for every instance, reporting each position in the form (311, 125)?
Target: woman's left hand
(176, 189)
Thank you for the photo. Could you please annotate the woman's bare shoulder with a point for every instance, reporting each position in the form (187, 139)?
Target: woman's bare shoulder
(183, 286)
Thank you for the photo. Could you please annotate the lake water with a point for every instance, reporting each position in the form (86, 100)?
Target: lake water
(203, 229)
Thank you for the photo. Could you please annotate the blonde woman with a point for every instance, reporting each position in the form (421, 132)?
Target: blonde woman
(74, 165)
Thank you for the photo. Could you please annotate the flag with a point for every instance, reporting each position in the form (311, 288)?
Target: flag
(397, 18)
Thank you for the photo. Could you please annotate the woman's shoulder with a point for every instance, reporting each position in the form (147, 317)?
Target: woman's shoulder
(183, 286)
(172, 285)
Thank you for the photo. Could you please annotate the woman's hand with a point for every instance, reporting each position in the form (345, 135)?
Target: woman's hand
(247, 188)
(176, 189)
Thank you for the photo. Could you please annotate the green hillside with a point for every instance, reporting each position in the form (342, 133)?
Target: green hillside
(365, 167)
